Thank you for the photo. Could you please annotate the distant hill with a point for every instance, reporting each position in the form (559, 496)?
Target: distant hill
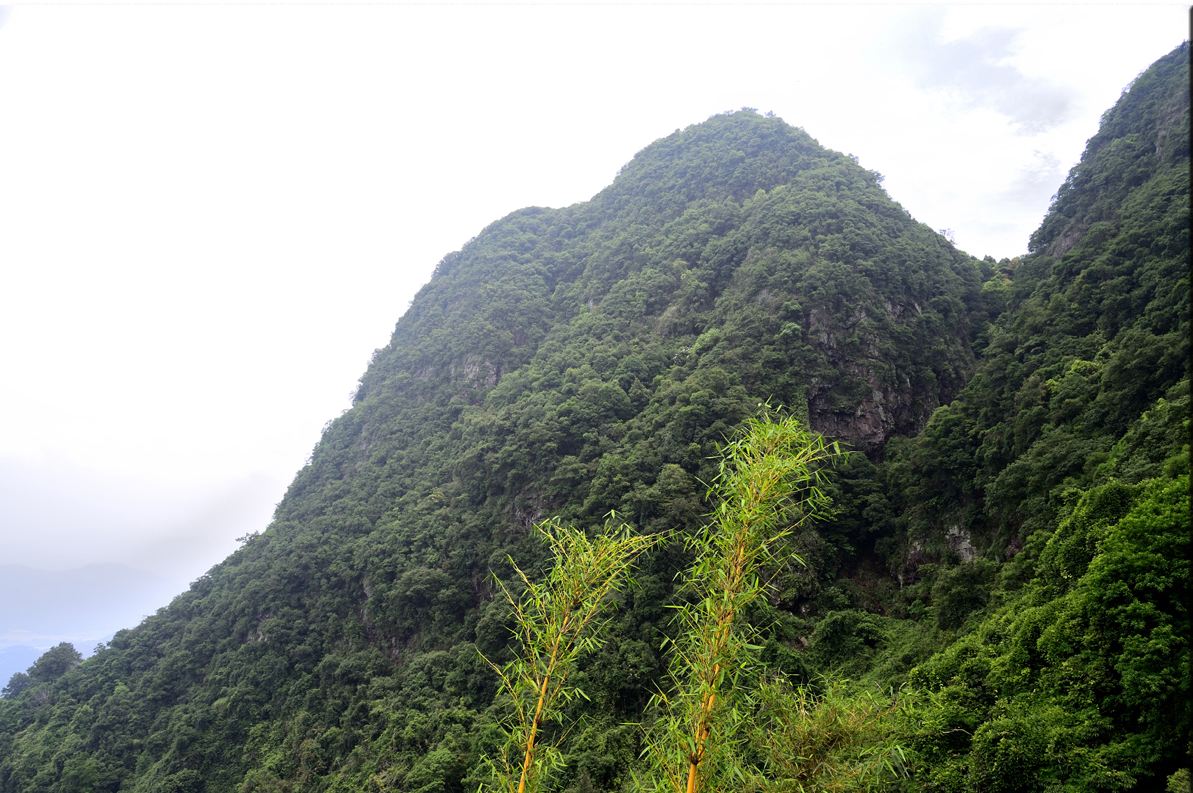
(1009, 548)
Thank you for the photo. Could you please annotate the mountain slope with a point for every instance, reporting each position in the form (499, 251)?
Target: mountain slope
(566, 361)
(572, 361)
(1042, 518)
(1099, 329)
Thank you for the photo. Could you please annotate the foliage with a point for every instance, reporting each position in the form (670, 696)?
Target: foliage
(769, 480)
(825, 737)
(557, 621)
(1082, 680)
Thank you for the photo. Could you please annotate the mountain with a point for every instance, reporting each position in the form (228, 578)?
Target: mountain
(1018, 430)
(1059, 480)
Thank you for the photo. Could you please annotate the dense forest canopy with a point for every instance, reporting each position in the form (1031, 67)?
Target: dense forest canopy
(996, 601)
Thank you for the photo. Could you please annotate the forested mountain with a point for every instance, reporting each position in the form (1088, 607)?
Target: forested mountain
(998, 600)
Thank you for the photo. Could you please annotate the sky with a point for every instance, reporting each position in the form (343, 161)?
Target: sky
(210, 216)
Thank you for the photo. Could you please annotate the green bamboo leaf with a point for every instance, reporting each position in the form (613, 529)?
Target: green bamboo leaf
(559, 620)
(767, 481)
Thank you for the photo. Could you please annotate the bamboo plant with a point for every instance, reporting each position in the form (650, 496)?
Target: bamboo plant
(557, 621)
(830, 737)
(769, 482)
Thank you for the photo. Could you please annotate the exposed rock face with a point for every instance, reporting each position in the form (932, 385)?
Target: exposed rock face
(868, 425)
(476, 372)
(867, 398)
(961, 543)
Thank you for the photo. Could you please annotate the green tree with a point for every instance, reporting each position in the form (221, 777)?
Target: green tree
(55, 662)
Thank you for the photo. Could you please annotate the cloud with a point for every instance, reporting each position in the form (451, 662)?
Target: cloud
(1037, 182)
(39, 608)
(60, 515)
(976, 71)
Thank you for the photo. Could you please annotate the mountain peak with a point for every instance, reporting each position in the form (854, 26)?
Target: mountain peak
(730, 155)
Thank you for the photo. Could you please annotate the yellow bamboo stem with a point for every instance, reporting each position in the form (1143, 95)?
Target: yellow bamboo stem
(534, 725)
(755, 489)
(538, 707)
(692, 777)
(709, 701)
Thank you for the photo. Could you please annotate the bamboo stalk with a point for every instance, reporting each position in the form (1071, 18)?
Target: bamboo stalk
(557, 619)
(768, 475)
(538, 708)
(534, 726)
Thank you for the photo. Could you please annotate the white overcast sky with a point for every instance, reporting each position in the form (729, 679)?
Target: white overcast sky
(210, 216)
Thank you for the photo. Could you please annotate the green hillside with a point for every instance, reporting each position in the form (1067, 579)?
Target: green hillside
(997, 599)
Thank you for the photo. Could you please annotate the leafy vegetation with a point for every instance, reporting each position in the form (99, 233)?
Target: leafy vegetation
(556, 621)
(997, 599)
(825, 736)
(769, 479)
